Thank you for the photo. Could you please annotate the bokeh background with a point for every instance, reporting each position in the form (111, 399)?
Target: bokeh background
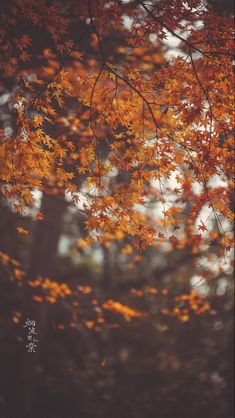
(151, 366)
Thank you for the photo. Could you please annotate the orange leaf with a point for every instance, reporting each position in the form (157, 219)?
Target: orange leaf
(23, 231)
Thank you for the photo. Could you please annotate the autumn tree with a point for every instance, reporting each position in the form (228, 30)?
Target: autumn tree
(99, 113)
(94, 109)
(133, 112)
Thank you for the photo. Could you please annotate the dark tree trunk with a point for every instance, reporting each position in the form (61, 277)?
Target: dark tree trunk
(42, 264)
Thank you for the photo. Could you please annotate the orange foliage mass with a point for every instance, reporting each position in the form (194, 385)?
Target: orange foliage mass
(117, 307)
(121, 127)
(156, 118)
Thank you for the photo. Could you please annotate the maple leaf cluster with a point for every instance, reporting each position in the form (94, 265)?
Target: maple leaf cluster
(122, 127)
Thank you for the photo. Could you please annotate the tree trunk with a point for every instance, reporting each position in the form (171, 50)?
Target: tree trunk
(42, 264)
